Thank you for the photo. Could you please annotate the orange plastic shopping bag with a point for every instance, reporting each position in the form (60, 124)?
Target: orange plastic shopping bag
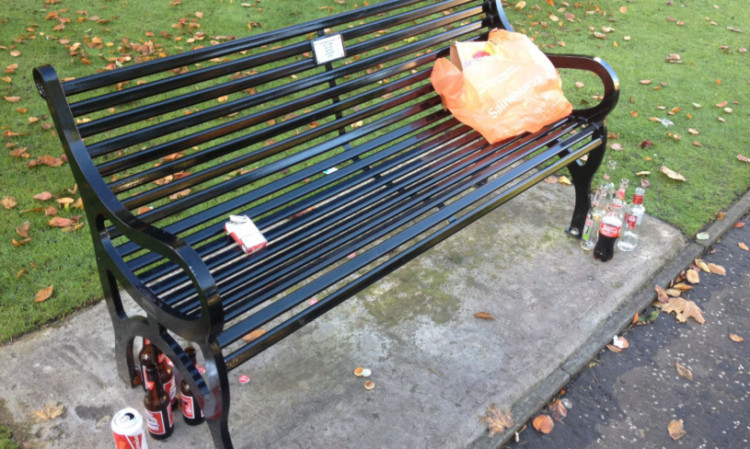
(501, 88)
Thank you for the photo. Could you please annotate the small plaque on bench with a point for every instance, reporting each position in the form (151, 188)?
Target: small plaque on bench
(328, 48)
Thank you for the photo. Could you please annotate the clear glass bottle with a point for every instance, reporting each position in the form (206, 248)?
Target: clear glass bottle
(629, 238)
(593, 220)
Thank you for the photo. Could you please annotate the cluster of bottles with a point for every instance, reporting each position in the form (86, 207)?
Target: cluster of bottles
(612, 222)
(158, 380)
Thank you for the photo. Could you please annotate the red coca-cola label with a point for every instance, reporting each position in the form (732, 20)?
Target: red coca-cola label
(155, 421)
(129, 441)
(609, 230)
(631, 220)
(188, 406)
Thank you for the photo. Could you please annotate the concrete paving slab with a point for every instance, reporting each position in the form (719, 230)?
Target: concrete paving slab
(436, 367)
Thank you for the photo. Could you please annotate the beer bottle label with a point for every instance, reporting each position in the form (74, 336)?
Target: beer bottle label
(188, 406)
(609, 230)
(157, 423)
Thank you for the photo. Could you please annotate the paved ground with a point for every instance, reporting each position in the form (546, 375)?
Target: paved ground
(626, 400)
(436, 367)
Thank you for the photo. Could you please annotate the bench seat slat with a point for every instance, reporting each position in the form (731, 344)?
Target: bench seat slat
(285, 304)
(331, 237)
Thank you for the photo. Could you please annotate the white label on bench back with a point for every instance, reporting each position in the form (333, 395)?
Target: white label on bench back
(328, 48)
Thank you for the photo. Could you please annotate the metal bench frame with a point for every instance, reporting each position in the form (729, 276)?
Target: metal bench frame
(408, 176)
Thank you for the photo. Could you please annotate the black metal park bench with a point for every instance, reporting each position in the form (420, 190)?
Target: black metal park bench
(164, 151)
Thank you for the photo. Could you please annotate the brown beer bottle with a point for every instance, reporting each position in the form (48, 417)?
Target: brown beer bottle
(145, 357)
(159, 418)
(191, 409)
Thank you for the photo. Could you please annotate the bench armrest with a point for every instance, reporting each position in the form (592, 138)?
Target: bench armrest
(605, 73)
(101, 205)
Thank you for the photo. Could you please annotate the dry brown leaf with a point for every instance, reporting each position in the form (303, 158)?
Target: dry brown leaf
(23, 230)
(661, 294)
(671, 174)
(257, 333)
(497, 420)
(558, 410)
(692, 276)
(736, 338)
(60, 222)
(739, 225)
(673, 292)
(8, 202)
(702, 265)
(44, 294)
(684, 371)
(676, 429)
(44, 196)
(743, 246)
(543, 424)
(484, 316)
(564, 180)
(682, 286)
(180, 194)
(613, 348)
(717, 269)
(50, 411)
(683, 310)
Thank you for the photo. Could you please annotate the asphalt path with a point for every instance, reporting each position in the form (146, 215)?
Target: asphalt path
(628, 399)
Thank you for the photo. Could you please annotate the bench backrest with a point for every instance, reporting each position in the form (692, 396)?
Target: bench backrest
(185, 140)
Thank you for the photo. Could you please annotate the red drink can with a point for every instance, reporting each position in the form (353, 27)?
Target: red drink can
(127, 428)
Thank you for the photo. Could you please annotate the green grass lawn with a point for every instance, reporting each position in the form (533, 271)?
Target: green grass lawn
(634, 37)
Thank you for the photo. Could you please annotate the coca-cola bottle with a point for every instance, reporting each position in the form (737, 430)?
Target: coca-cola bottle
(593, 220)
(159, 418)
(191, 409)
(609, 231)
(629, 239)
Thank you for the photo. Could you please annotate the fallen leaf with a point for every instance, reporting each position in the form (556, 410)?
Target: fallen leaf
(50, 411)
(681, 286)
(743, 158)
(254, 335)
(646, 144)
(743, 246)
(543, 424)
(12, 98)
(613, 348)
(43, 196)
(683, 310)
(558, 410)
(180, 194)
(44, 294)
(702, 265)
(676, 429)
(692, 276)
(739, 225)
(684, 371)
(60, 222)
(720, 216)
(671, 174)
(497, 420)
(620, 342)
(520, 5)
(661, 294)
(8, 202)
(484, 316)
(23, 230)
(717, 269)
(736, 338)
(564, 180)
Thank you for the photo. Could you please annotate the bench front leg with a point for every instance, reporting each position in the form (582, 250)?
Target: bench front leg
(582, 173)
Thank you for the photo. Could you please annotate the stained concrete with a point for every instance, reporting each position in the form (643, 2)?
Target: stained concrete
(436, 367)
